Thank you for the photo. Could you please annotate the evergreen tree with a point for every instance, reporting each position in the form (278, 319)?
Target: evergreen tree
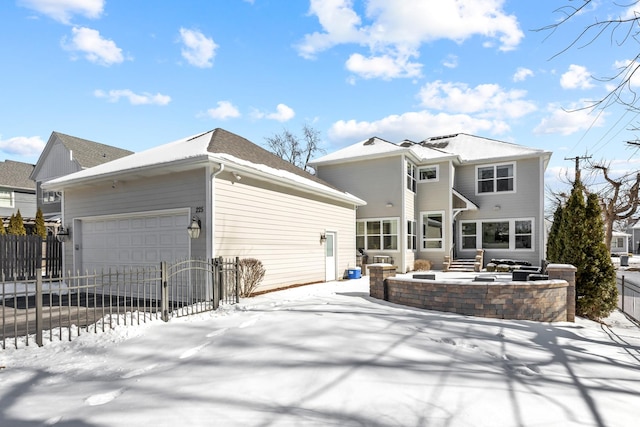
(16, 225)
(597, 294)
(3, 231)
(581, 243)
(12, 224)
(40, 228)
(554, 240)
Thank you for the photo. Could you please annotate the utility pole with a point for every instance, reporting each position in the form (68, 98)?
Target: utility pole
(577, 160)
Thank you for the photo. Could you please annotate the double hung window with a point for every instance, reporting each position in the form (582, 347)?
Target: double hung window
(496, 178)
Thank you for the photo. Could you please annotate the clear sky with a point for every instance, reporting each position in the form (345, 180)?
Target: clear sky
(137, 74)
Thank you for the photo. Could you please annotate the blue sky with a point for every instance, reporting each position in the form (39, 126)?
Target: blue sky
(137, 74)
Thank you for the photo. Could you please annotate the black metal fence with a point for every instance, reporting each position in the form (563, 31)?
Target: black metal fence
(629, 297)
(62, 308)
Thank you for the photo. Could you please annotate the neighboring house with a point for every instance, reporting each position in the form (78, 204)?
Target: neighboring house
(620, 242)
(63, 155)
(249, 203)
(17, 190)
(634, 232)
(444, 196)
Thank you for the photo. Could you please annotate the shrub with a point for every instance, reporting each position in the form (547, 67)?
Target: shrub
(422, 265)
(251, 274)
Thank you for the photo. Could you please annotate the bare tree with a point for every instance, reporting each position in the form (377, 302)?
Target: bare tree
(296, 150)
(621, 30)
(618, 199)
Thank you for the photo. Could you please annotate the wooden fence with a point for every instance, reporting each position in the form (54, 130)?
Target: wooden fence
(21, 257)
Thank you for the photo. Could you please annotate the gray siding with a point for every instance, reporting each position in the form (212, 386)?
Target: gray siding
(525, 202)
(281, 227)
(170, 191)
(435, 196)
(378, 182)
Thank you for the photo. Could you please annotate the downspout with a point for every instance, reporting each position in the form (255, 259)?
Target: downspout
(211, 218)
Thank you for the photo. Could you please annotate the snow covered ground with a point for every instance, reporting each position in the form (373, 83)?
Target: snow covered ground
(328, 354)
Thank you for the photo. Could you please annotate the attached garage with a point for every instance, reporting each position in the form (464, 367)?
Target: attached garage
(132, 240)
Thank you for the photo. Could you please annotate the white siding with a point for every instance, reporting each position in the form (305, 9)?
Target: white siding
(282, 229)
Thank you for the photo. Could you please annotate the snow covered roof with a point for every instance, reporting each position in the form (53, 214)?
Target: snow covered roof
(377, 147)
(217, 146)
(463, 147)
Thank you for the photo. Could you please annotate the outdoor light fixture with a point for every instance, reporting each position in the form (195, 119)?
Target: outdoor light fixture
(323, 237)
(62, 234)
(194, 228)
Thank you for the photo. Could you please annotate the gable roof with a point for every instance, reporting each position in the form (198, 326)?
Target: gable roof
(217, 146)
(463, 147)
(85, 153)
(16, 175)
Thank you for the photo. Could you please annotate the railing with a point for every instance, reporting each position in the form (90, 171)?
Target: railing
(629, 298)
(64, 308)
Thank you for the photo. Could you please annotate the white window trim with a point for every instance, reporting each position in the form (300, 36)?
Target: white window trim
(412, 176)
(423, 239)
(11, 199)
(412, 235)
(495, 166)
(437, 178)
(512, 234)
(398, 228)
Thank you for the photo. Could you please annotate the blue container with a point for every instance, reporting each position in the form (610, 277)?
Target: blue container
(354, 273)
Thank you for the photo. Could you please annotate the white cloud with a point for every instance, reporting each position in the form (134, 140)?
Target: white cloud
(522, 74)
(63, 10)
(578, 77)
(283, 113)
(485, 100)
(413, 125)
(384, 67)
(224, 110)
(451, 61)
(134, 98)
(198, 49)
(627, 70)
(22, 145)
(95, 48)
(568, 121)
(397, 28)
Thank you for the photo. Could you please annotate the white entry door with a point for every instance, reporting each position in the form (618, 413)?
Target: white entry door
(330, 256)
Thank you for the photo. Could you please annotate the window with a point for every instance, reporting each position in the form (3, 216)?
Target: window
(429, 174)
(411, 177)
(495, 235)
(433, 230)
(51, 196)
(469, 235)
(617, 243)
(523, 235)
(496, 179)
(6, 198)
(513, 234)
(377, 234)
(412, 240)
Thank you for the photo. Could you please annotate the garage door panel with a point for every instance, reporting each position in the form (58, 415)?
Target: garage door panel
(140, 240)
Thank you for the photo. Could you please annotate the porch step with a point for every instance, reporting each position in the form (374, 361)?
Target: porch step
(462, 265)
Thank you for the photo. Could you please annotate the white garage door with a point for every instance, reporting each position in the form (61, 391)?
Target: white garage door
(134, 241)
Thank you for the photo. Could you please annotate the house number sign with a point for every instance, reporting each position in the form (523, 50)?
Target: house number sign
(199, 209)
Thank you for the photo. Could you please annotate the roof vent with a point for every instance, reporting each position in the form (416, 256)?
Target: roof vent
(370, 141)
